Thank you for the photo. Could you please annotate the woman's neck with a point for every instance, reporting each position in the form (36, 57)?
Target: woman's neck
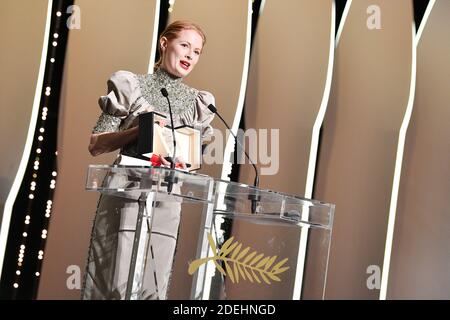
(167, 76)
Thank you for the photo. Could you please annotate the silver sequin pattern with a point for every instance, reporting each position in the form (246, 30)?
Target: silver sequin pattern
(106, 123)
(181, 96)
(151, 85)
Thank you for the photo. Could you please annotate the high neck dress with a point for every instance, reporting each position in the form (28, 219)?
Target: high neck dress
(130, 95)
(113, 229)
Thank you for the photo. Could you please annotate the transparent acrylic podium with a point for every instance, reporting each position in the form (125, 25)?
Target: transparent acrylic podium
(148, 187)
(235, 241)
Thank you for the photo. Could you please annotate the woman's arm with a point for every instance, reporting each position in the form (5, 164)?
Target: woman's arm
(109, 141)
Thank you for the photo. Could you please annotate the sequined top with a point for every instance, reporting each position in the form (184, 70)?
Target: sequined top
(130, 94)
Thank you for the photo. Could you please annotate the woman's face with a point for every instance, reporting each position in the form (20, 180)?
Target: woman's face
(180, 55)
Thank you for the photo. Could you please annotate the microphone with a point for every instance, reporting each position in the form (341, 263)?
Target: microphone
(171, 179)
(254, 197)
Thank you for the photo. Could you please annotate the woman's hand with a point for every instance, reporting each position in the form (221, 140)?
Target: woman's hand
(164, 161)
(162, 123)
(180, 163)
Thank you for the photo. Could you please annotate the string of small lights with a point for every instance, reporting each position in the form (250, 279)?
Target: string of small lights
(171, 4)
(32, 208)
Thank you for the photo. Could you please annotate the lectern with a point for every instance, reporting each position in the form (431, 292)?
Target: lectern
(276, 248)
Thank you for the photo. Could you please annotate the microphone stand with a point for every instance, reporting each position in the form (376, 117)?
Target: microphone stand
(256, 197)
(170, 179)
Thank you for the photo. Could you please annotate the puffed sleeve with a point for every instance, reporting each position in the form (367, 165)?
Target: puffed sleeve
(123, 90)
(200, 115)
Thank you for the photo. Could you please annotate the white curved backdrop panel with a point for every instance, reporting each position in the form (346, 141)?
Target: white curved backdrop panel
(222, 70)
(369, 99)
(420, 260)
(19, 81)
(287, 94)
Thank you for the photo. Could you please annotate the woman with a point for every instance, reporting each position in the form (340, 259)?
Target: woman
(180, 47)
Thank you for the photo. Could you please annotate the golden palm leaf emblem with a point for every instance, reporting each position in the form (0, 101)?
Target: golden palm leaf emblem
(242, 263)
